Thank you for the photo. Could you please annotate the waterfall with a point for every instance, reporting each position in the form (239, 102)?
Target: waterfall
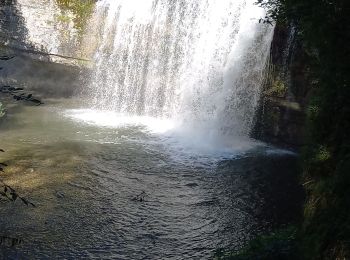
(199, 63)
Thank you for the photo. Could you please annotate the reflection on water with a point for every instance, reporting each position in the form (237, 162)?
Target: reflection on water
(84, 178)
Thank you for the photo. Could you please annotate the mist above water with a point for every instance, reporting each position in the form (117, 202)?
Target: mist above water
(197, 64)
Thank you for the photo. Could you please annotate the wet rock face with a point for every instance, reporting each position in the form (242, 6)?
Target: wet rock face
(12, 29)
(47, 26)
(281, 117)
(44, 40)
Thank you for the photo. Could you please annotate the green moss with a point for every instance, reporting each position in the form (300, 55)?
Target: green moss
(323, 154)
(279, 89)
(63, 18)
(276, 86)
(82, 9)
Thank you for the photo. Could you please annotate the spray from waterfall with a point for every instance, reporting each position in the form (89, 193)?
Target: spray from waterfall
(198, 63)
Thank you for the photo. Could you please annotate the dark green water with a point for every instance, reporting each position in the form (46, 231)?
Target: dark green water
(83, 173)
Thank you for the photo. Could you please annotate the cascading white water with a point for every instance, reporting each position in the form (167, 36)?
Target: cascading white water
(199, 63)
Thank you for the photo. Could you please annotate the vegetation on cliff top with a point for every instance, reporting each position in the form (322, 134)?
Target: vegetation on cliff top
(82, 10)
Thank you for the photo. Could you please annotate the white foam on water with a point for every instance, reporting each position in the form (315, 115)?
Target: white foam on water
(117, 120)
(172, 136)
(188, 72)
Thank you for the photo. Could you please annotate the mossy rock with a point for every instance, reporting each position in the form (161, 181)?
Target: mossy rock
(276, 88)
(82, 9)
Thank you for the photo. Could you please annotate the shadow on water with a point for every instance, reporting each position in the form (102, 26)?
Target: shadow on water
(274, 185)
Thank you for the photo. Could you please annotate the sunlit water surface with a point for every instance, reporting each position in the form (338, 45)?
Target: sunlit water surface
(84, 168)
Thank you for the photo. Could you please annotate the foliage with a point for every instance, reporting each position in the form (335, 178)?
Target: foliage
(82, 10)
(277, 245)
(277, 88)
(324, 29)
